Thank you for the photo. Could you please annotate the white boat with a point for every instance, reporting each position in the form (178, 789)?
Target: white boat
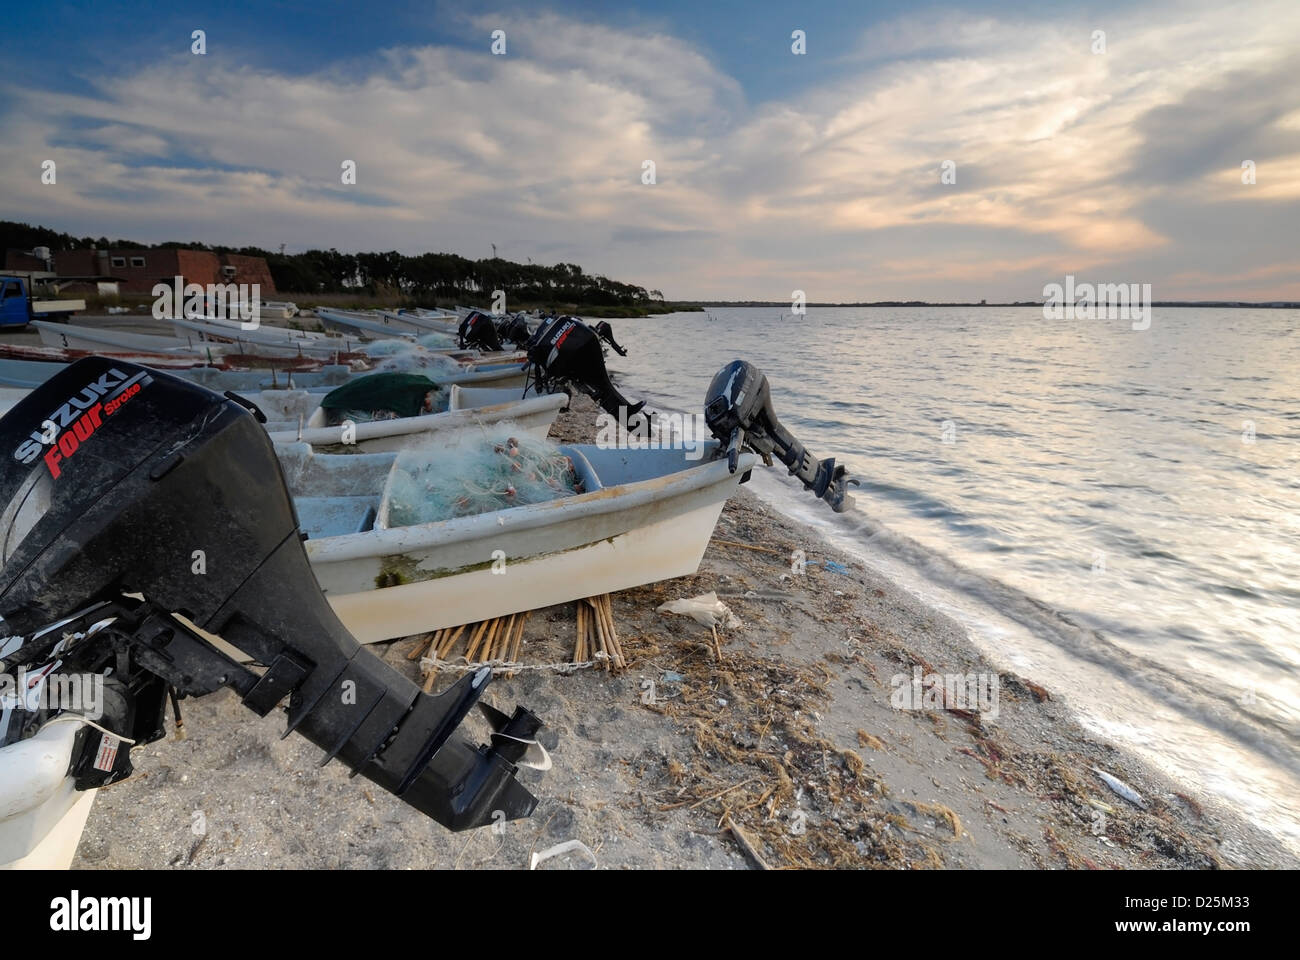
(419, 323)
(296, 416)
(372, 325)
(70, 336)
(267, 341)
(42, 815)
(269, 329)
(645, 516)
(281, 309)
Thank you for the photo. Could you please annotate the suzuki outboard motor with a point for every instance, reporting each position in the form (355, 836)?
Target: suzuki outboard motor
(606, 333)
(514, 329)
(130, 499)
(565, 351)
(477, 331)
(738, 410)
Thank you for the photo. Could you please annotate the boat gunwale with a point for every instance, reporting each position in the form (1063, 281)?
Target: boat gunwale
(424, 423)
(394, 541)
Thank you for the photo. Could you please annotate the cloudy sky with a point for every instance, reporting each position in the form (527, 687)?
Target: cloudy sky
(774, 171)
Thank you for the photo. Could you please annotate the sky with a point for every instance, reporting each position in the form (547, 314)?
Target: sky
(936, 151)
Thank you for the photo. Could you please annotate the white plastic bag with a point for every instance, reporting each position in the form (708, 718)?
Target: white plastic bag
(706, 609)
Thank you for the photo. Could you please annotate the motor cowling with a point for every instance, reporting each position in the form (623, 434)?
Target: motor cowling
(738, 411)
(513, 329)
(565, 351)
(478, 332)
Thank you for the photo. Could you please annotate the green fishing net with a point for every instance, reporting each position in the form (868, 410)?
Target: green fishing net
(479, 473)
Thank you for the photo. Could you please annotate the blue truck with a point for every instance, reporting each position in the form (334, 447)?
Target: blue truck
(18, 307)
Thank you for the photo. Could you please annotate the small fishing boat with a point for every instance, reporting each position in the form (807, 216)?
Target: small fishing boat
(163, 361)
(68, 336)
(282, 309)
(270, 330)
(421, 323)
(371, 325)
(297, 416)
(645, 515)
(265, 340)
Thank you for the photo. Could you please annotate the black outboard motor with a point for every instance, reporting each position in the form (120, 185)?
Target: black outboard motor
(565, 351)
(738, 410)
(606, 333)
(514, 329)
(478, 332)
(117, 480)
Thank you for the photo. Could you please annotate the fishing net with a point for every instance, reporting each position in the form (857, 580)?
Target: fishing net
(437, 341)
(384, 396)
(480, 473)
(406, 356)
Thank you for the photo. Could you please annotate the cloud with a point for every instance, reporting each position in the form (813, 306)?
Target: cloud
(1065, 160)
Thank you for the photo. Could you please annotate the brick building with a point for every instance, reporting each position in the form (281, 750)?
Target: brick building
(141, 269)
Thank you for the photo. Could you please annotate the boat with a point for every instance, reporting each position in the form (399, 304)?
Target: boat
(296, 416)
(372, 325)
(240, 326)
(70, 336)
(268, 340)
(646, 515)
(282, 309)
(163, 361)
(42, 814)
(420, 323)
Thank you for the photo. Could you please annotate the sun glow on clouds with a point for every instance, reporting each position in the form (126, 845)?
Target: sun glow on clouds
(836, 190)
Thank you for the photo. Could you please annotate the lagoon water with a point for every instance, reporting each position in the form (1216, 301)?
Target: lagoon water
(1113, 513)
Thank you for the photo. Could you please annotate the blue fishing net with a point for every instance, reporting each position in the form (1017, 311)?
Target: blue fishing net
(480, 473)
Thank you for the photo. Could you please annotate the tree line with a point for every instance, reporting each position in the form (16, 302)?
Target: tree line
(426, 275)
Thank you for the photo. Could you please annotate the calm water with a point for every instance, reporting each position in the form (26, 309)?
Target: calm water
(1112, 512)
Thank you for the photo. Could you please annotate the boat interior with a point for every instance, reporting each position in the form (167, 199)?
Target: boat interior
(340, 494)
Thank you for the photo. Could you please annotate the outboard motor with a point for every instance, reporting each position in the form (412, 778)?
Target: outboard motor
(514, 329)
(738, 410)
(477, 331)
(135, 506)
(606, 333)
(565, 351)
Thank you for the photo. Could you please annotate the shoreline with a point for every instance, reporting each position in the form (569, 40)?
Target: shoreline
(788, 750)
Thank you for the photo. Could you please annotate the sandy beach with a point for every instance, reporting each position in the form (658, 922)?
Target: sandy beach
(779, 747)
